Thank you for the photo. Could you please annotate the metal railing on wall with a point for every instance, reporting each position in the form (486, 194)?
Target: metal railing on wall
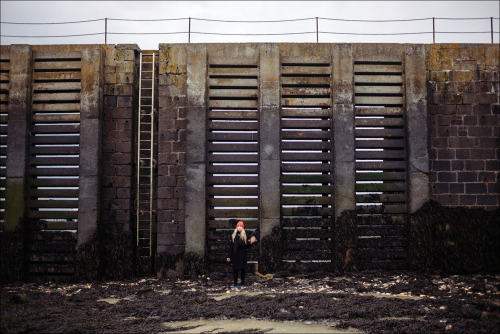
(428, 22)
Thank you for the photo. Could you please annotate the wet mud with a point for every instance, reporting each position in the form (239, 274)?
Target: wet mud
(371, 302)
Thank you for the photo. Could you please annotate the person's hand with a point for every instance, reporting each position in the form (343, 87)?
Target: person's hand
(253, 239)
(228, 260)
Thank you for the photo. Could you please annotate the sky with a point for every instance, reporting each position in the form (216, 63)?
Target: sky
(448, 16)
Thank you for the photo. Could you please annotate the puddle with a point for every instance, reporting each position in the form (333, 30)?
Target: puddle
(225, 326)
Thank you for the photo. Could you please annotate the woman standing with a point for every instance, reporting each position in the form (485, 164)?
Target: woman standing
(237, 253)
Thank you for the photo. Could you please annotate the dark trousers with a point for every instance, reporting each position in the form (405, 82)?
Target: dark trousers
(235, 276)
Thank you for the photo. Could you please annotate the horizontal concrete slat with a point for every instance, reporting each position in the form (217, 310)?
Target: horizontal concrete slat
(291, 112)
(398, 121)
(385, 143)
(47, 86)
(312, 102)
(54, 139)
(248, 115)
(379, 90)
(304, 70)
(306, 81)
(234, 93)
(59, 129)
(232, 169)
(306, 124)
(232, 191)
(302, 200)
(233, 158)
(396, 79)
(378, 100)
(55, 150)
(377, 68)
(57, 76)
(306, 134)
(232, 180)
(381, 165)
(380, 187)
(250, 147)
(56, 107)
(57, 65)
(306, 167)
(249, 126)
(379, 111)
(56, 182)
(221, 136)
(387, 176)
(231, 202)
(308, 212)
(383, 198)
(38, 97)
(311, 91)
(237, 104)
(301, 156)
(53, 214)
(233, 213)
(306, 190)
(253, 82)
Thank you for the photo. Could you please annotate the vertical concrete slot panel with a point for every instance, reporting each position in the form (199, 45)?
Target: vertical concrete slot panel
(4, 118)
(232, 147)
(380, 155)
(306, 155)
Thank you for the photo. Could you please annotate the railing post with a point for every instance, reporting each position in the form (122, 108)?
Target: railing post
(491, 21)
(189, 31)
(433, 31)
(106, 31)
(317, 33)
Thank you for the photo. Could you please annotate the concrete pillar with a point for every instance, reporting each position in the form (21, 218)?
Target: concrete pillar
(17, 142)
(269, 173)
(91, 105)
(416, 122)
(343, 129)
(195, 223)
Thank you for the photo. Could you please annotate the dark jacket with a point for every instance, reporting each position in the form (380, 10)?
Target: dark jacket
(237, 252)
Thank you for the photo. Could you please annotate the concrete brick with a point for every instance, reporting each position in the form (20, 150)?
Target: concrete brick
(457, 188)
(440, 165)
(467, 176)
(487, 200)
(447, 177)
(468, 200)
(476, 188)
(474, 165)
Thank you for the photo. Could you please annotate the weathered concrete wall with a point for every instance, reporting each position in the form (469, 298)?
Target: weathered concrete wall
(453, 117)
(120, 104)
(172, 145)
(464, 117)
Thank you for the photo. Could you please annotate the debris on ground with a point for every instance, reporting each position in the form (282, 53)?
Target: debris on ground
(370, 302)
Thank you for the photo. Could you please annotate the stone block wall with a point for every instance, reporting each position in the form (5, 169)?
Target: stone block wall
(171, 149)
(464, 123)
(120, 95)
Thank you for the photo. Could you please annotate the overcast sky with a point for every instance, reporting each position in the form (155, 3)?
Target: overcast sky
(66, 11)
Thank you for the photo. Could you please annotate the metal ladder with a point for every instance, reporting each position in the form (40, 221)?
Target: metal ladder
(145, 159)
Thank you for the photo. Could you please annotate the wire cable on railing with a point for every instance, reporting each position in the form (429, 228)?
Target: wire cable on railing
(149, 20)
(250, 21)
(264, 34)
(148, 33)
(375, 34)
(42, 23)
(76, 35)
(374, 21)
(257, 21)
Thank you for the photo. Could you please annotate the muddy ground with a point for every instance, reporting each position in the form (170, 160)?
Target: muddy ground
(373, 302)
